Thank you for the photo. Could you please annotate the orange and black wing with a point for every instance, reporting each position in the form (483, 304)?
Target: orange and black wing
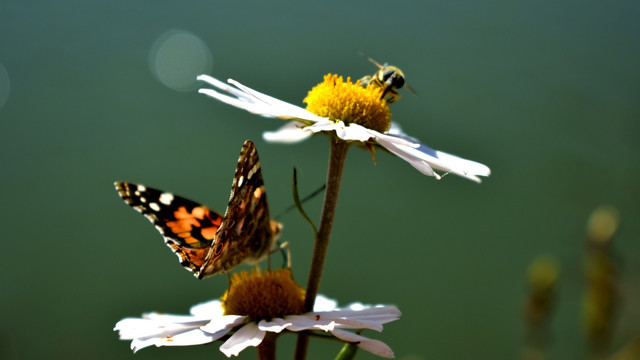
(245, 235)
(188, 228)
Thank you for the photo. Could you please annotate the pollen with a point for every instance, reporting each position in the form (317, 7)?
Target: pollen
(347, 101)
(264, 296)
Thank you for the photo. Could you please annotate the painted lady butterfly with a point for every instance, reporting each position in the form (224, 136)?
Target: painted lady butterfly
(206, 242)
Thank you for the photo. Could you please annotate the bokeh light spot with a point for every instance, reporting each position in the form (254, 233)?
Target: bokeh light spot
(177, 57)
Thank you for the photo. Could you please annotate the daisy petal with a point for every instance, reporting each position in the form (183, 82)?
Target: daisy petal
(178, 338)
(290, 133)
(224, 87)
(275, 325)
(460, 165)
(418, 155)
(223, 322)
(175, 319)
(424, 158)
(208, 309)
(138, 344)
(255, 101)
(174, 330)
(248, 335)
(131, 328)
(255, 108)
(309, 321)
(354, 324)
(193, 337)
(323, 303)
(355, 132)
(417, 163)
(352, 132)
(375, 347)
(285, 109)
(382, 314)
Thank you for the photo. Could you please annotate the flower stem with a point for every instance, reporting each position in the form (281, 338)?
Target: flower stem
(267, 348)
(337, 156)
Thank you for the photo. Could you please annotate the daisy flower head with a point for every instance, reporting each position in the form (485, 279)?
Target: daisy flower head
(256, 304)
(348, 111)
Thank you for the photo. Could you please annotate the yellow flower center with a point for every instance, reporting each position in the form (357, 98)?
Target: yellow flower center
(272, 294)
(343, 100)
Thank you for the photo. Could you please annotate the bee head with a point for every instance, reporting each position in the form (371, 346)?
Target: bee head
(392, 77)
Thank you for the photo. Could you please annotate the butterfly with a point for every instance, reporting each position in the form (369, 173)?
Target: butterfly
(206, 242)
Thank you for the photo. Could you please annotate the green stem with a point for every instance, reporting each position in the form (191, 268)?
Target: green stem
(267, 348)
(337, 156)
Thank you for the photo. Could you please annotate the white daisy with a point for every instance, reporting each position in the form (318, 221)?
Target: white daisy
(353, 113)
(254, 305)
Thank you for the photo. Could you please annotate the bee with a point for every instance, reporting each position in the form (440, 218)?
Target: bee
(388, 78)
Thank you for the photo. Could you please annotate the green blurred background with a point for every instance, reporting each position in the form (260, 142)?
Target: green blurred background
(546, 93)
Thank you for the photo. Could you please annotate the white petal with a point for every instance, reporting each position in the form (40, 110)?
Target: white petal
(248, 335)
(324, 304)
(355, 132)
(138, 344)
(325, 125)
(250, 106)
(290, 133)
(351, 132)
(208, 309)
(341, 323)
(145, 333)
(382, 313)
(132, 328)
(373, 346)
(224, 87)
(417, 163)
(395, 129)
(223, 322)
(254, 101)
(176, 319)
(275, 325)
(356, 316)
(455, 162)
(420, 156)
(309, 321)
(288, 111)
(367, 318)
(424, 158)
(193, 337)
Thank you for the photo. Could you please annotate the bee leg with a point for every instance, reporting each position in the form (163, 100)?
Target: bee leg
(364, 82)
(391, 95)
(269, 261)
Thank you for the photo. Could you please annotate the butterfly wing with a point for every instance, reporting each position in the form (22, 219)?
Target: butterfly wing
(246, 234)
(188, 228)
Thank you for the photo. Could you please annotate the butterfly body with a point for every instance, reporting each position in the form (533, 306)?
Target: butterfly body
(205, 241)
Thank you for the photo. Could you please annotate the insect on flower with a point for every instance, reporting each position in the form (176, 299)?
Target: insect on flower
(206, 242)
(388, 78)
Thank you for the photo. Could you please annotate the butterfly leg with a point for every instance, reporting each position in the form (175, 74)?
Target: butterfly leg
(285, 250)
(229, 285)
